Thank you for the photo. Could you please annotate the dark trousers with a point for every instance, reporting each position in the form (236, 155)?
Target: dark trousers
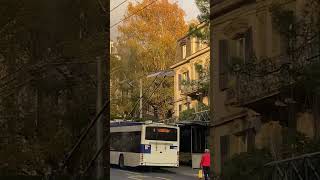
(206, 172)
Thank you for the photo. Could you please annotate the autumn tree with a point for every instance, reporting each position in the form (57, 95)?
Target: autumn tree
(147, 42)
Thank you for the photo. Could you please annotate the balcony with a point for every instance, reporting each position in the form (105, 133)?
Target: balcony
(220, 7)
(200, 118)
(270, 76)
(195, 88)
(251, 89)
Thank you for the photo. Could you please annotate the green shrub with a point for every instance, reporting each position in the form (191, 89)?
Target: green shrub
(187, 115)
(246, 166)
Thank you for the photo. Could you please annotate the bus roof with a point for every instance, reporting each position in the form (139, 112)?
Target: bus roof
(125, 123)
(130, 123)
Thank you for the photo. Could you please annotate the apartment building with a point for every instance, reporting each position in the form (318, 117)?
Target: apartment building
(250, 112)
(191, 87)
(191, 78)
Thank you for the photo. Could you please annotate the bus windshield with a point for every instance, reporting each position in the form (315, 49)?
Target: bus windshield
(161, 134)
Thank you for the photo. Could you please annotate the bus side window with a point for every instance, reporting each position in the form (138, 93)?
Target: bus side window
(125, 141)
(111, 142)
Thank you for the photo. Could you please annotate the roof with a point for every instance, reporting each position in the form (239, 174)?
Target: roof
(119, 124)
(199, 123)
(165, 73)
(130, 123)
(191, 57)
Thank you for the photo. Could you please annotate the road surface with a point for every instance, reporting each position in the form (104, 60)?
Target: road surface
(182, 173)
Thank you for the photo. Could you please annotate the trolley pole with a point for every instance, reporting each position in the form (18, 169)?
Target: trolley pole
(141, 99)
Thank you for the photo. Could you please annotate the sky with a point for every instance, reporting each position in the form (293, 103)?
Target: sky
(117, 14)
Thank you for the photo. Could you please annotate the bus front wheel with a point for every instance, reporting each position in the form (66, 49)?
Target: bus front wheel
(121, 162)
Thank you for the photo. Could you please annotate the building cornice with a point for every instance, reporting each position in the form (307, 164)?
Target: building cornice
(223, 7)
(230, 118)
(188, 59)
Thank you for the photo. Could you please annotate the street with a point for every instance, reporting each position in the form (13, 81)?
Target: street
(181, 173)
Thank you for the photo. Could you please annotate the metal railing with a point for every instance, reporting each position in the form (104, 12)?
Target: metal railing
(203, 116)
(268, 76)
(305, 167)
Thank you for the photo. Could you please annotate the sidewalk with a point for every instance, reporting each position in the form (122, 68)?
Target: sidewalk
(184, 170)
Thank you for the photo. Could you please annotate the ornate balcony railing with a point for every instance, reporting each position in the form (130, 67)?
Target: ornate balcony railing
(250, 88)
(305, 167)
(266, 77)
(202, 116)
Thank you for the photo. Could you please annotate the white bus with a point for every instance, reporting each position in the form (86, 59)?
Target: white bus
(136, 144)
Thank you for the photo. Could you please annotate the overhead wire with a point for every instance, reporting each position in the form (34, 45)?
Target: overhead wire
(85, 133)
(106, 140)
(100, 113)
(137, 102)
(135, 13)
(118, 5)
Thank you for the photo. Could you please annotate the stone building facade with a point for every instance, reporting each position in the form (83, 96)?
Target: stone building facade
(249, 114)
(190, 74)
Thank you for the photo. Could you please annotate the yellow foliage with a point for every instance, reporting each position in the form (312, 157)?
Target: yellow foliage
(153, 32)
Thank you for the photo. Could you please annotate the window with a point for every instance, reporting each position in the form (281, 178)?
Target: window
(125, 141)
(185, 137)
(185, 76)
(184, 51)
(242, 46)
(161, 134)
(239, 49)
(194, 47)
(180, 108)
(199, 70)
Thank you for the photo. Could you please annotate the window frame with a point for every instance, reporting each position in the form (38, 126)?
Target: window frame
(184, 51)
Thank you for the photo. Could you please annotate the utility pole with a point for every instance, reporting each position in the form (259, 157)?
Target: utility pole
(99, 124)
(141, 99)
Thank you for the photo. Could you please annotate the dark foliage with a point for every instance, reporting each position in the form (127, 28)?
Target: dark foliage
(46, 92)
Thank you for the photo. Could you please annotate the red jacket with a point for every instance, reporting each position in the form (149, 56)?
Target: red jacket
(205, 160)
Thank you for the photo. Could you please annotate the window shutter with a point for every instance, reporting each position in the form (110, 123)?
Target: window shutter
(224, 148)
(248, 45)
(179, 81)
(223, 61)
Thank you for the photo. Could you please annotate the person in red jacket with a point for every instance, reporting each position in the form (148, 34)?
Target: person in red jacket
(205, 164)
